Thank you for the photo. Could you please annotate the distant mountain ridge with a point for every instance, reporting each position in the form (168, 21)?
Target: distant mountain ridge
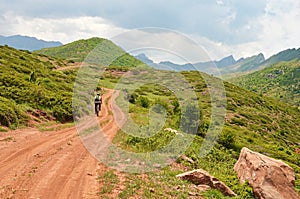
(27, 43)
(225, 62)
(228, 65)
(285, 55)
(246, 64)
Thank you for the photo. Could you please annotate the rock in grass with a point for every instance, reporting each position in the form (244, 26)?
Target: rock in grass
(268, 177)
(201, 177)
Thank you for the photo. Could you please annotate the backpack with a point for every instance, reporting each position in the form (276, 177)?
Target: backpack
(98, 98)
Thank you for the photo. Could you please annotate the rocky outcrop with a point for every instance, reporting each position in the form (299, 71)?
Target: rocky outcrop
(268, 177)
(201, 177)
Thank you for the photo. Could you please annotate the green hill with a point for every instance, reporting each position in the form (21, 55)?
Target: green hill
(105, 51)
(286, 55)
(281, 81)
(260, 123)
(30, 82)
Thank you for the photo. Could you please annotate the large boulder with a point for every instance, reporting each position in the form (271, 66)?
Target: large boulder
(201, 177)
(268, 177)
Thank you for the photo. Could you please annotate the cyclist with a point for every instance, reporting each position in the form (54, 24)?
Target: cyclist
(98, 102)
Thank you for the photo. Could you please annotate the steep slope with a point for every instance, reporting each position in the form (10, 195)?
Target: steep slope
(281, 81)
(245, 64)
(260, 123)
(225, 62)
(286, 55)
(27, 43)
(105, 51)
(29, 82)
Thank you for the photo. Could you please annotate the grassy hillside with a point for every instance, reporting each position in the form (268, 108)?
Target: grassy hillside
(260, 123)
(108, 54)
(29, 84)
(281, 81)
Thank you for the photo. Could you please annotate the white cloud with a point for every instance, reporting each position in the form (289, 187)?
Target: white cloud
(280, 27)
(220, 2)
(64, 29)
(221, 27)
(161, 45)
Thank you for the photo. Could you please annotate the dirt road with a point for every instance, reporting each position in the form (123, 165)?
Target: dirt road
(54, 164)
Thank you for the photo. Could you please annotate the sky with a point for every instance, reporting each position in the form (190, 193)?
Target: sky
(241, 28)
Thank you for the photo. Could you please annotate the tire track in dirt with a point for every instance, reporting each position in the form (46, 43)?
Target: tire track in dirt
(54, 164)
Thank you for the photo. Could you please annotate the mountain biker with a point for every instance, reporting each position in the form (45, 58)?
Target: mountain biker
(98, 102)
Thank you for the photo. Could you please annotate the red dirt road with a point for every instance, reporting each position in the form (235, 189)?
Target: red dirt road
(54, 164)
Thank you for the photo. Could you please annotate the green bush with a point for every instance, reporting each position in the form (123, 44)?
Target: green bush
(227, 139)
(11, 115)
(133, 98)
(26, 78)
(144, 101)
(62, 114)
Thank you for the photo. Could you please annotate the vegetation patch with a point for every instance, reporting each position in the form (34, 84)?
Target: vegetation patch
(280, 81)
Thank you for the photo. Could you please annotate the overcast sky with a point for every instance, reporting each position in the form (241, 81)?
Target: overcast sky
(223, 27)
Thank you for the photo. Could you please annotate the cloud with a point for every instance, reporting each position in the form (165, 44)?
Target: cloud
(221, 27)
(276, 30)
(220, 2)
(162, 44)
(224, 21)
(64, 29)
(280, 26)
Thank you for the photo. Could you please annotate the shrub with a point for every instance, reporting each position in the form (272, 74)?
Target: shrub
(133, 98)
(62, 114)
(144, 101)
(176, 109)
(11, 115)
(226, 139)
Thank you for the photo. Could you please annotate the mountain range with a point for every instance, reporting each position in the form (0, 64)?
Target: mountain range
(223, 66)
(228, 65)
(27, 43)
